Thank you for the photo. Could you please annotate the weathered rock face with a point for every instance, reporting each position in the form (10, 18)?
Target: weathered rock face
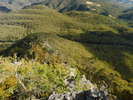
(84, 95)
(92, 94)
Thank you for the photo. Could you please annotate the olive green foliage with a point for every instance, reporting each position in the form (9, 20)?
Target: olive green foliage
(92, 58)
(26, 79)
(99, 46)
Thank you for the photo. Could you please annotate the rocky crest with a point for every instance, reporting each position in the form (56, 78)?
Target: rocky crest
(92, 94)
(91, 91)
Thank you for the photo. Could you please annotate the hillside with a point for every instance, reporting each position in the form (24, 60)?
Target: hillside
(126, 1)
(100, 47)
(61, 5)
(113, 7)
(127, 15)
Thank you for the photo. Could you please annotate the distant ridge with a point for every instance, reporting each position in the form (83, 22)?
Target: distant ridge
(60, 5)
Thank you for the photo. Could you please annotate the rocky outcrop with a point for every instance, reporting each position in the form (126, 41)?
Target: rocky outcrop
(83, 95)
(93, 93)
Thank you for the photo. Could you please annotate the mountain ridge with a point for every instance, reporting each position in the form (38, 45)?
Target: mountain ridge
(60, 5)
(53, 33)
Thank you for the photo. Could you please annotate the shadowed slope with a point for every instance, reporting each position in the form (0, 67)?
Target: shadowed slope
(101, 62)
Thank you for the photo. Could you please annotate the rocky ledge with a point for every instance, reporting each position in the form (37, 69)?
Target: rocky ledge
(91, 92)
(84, 95)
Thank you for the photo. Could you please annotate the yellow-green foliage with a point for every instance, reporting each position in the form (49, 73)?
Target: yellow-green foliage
(27, 78)
(100, 46)
(42, 19)
(9, 32)
(98, 61)
(7, 86)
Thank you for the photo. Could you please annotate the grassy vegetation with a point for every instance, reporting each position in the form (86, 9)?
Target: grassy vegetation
(99, 46)
(27, 79)
(100, 62)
